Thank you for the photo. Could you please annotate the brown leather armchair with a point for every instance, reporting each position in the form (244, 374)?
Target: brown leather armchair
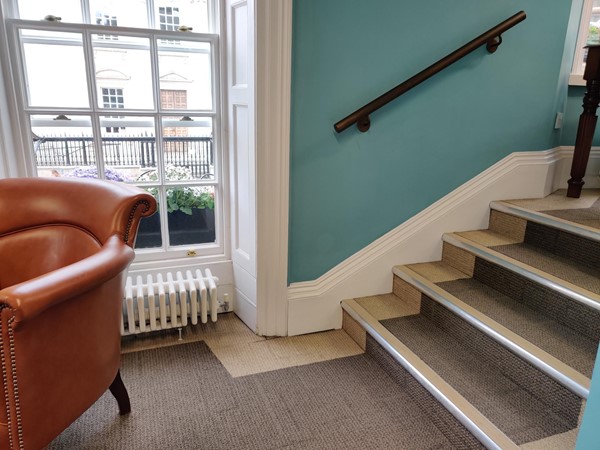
(65, 246)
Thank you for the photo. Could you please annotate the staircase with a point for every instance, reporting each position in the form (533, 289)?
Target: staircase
(497, 341)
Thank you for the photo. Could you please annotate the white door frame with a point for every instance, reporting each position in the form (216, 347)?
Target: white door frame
(273, 25)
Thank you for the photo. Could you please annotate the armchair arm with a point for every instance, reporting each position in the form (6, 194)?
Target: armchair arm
(31, 297)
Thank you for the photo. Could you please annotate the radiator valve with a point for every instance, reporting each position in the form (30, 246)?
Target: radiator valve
(226, 302)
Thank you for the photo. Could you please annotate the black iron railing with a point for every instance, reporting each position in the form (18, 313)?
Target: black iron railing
(195, 153)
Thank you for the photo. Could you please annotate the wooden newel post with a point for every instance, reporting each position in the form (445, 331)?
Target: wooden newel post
(587, 121)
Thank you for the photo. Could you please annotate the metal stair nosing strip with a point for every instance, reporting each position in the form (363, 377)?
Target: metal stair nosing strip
(573, 380)
(547, 220)
(469, 416)
(563, 287)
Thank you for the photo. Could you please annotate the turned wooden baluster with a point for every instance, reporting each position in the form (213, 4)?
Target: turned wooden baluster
(587, 121)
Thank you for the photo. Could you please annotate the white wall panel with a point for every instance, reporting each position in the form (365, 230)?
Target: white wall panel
(239, 15)
(242, 238)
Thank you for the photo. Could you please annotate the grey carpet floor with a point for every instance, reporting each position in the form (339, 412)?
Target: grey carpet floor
(515, 411)
(183, 398)
(563, 268)
(569, 346)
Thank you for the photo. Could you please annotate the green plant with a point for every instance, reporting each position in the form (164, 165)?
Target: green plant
(182, 198)
(593, 35)
(185, 198)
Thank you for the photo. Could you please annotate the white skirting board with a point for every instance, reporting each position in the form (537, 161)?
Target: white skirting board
(315, 305)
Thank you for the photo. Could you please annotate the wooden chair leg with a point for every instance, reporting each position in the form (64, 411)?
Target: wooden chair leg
(118, 390)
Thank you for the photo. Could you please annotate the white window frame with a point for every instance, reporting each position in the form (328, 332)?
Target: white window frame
(209, 252)
(576, 77)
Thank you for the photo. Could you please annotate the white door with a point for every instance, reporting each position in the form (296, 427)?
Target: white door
(239, 38)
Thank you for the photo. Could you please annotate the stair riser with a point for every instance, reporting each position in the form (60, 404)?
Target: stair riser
(577, 316)
(560, 243)
(544, 300)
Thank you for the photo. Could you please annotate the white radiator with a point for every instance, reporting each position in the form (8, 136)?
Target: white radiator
(162, 304)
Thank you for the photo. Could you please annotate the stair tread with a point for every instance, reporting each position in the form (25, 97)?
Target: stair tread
(569, 346)
(515, 411)
(560, 267)
(583, 211)
(564, 268)
(429, 278)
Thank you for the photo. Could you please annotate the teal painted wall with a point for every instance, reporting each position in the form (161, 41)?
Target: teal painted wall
(589, 434)
(347, 190)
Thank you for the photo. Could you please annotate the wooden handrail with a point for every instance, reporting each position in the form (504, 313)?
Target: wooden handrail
(492, 38)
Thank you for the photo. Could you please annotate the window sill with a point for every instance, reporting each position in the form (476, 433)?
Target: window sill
(576, 79)
(175, 262)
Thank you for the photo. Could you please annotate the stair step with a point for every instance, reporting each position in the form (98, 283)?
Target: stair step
(465, 254)
(489, 383)
(569, 346)
(571, 264)
(543, 238)
(545, 329)
(425, 279)
(441, 354)
(579, 216)
(456, 417)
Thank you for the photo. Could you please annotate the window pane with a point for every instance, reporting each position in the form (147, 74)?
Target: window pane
(188, 148)
(109, 11)
(122, 64)
(148, 235)
(170, 14)
(191, 215)
(55, 70)
(129, 148)
(168, 18)
(67, 10)
(63, 146)
(593, 37)
(186, 65)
